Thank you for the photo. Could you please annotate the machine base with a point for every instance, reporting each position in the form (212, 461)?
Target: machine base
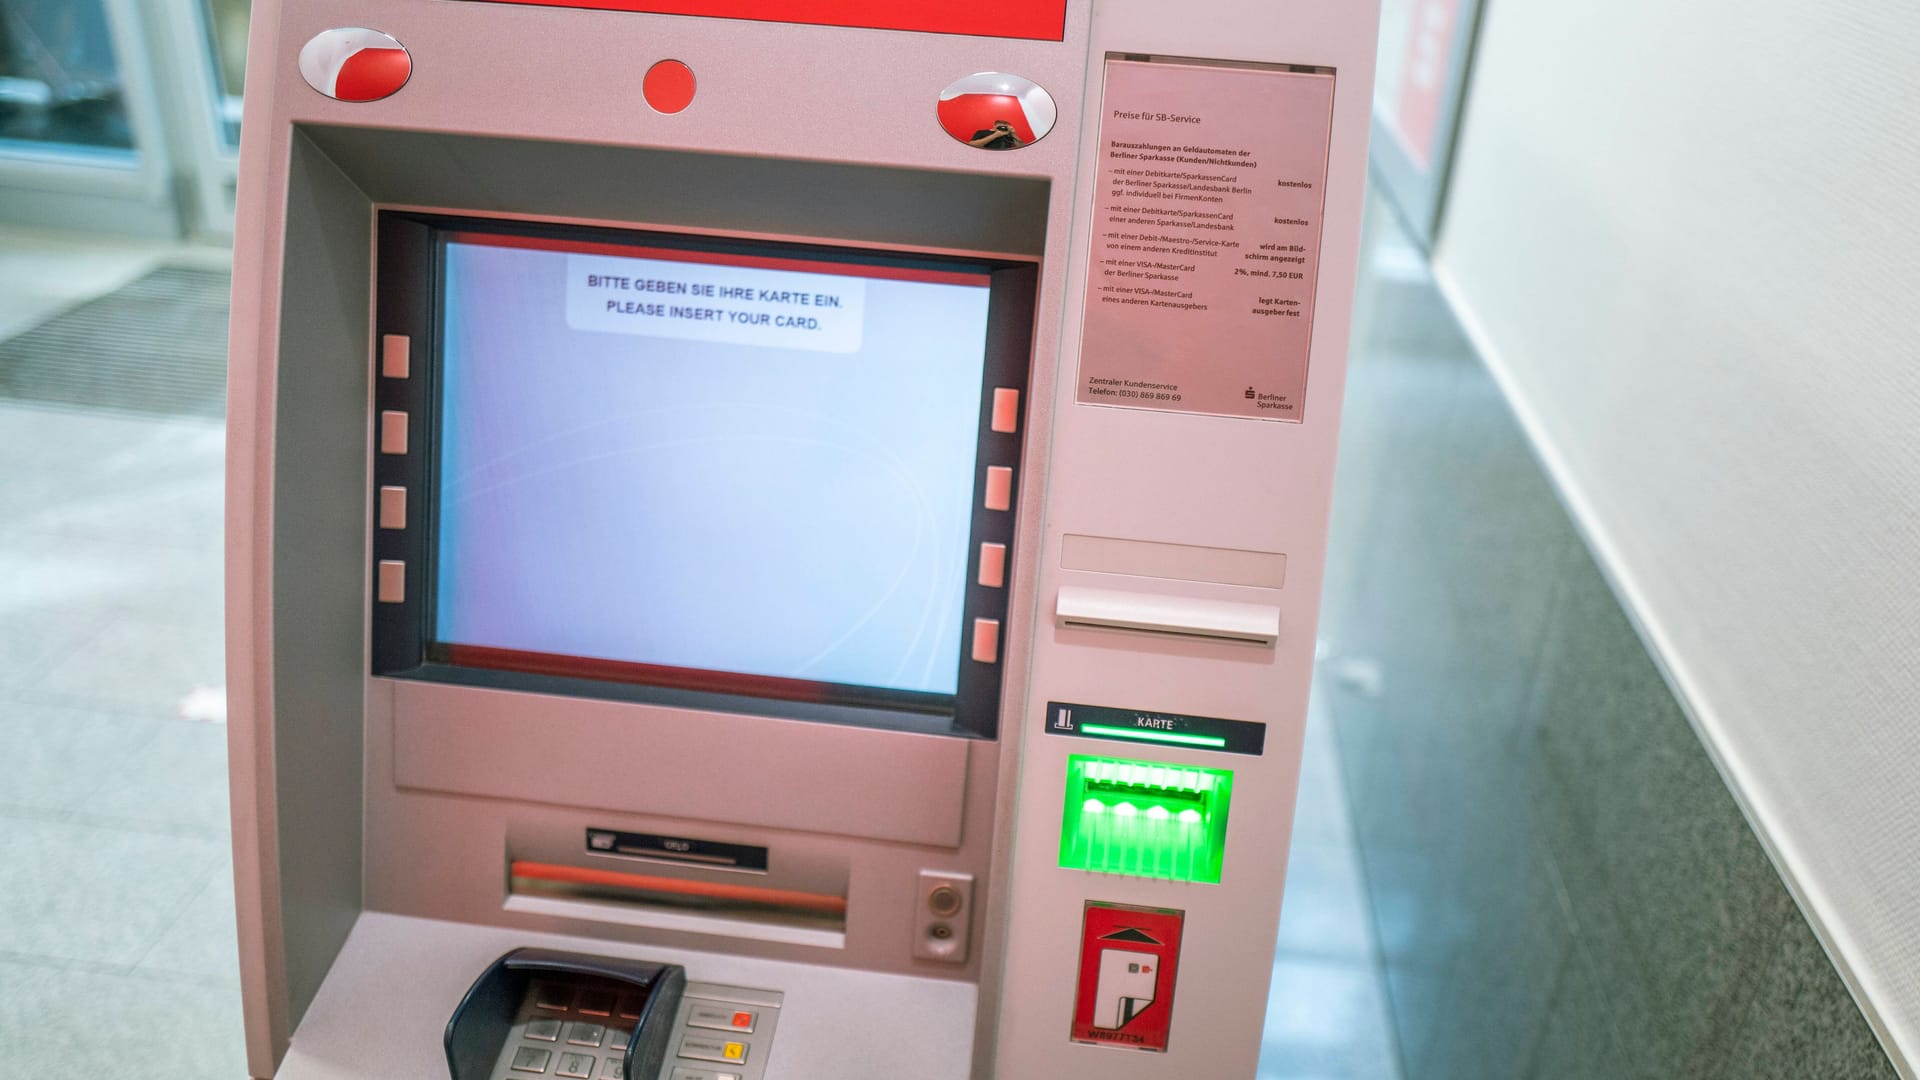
(851, 1025)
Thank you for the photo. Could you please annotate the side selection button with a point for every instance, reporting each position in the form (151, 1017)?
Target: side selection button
(393, 432)
(993, 565)
(999, 487)
(393, 507)
(395, 363)
(391, 583)
(986, 641)
(1006, 410)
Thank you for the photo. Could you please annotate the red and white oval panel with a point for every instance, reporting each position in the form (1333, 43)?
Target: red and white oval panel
(355, 64)
(996, 111)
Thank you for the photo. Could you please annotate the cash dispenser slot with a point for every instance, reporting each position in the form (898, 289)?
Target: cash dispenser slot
(731, 894)
(621, 887)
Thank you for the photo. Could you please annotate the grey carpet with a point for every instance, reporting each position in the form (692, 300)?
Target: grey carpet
(157, 346)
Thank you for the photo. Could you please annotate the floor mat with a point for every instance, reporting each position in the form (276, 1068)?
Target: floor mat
(157, 346)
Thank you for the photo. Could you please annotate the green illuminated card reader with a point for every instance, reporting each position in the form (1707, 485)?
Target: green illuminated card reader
(1144, 818)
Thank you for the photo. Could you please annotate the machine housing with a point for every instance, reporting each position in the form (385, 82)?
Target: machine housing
(395, 835)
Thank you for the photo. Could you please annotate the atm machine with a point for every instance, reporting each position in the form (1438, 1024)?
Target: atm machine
(779, 539)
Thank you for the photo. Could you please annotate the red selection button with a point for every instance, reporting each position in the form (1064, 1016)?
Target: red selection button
(714, 1018)
(668, 86)
(353, 63)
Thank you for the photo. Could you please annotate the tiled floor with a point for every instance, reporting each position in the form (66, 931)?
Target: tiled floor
(1561, 883)
(1327, 1013)
(116, 895)
(116, 920)
(44, 272)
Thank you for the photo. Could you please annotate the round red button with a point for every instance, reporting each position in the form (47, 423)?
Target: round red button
(668, 86)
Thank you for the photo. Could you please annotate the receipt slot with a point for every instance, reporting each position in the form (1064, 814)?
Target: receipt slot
(825, 549)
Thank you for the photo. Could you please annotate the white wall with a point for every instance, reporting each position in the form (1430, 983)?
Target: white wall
(1687, 239)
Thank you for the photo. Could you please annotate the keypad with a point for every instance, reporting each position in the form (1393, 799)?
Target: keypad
(569, 1031)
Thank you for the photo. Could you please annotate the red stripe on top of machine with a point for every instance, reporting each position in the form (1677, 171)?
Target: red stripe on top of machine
(1039, 20)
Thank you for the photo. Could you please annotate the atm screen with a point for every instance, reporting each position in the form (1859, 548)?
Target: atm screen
(750, 470)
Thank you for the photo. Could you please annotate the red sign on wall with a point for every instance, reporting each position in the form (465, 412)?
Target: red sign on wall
(1040, 20)
(1128, 958)
(1423, 77)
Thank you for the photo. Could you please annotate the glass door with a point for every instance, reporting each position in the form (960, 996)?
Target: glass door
(1426, 49)
(60, 86)
(227, 32)
(121, 116)
(79, 123)
(205, 70)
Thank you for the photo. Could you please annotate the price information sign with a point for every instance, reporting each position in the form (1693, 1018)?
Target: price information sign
(1206, 237)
